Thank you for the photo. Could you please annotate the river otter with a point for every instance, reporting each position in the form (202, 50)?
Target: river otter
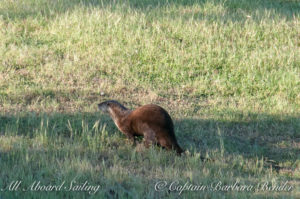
(150, 121)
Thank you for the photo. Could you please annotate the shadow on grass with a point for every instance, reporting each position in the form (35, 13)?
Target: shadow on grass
(235, 9)
(263, 136)
(275, 137)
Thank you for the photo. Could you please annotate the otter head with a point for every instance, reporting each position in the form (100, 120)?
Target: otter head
(111, 105)
(104, 106)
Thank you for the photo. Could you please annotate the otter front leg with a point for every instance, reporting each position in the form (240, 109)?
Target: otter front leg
(130, 138)
(128, 133)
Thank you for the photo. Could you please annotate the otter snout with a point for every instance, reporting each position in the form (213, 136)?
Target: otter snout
(111, 105)
(103, 107)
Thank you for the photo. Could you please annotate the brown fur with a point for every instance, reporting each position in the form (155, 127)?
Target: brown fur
(150, 121)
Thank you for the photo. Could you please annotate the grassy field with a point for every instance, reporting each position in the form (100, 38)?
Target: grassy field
(227, 71)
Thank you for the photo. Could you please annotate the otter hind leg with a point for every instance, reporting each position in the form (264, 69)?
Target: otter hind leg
(149, 136)
(170, 144)
(165, 143)
(160, 138)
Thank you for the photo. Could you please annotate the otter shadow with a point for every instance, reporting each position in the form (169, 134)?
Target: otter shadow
(276, 137)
